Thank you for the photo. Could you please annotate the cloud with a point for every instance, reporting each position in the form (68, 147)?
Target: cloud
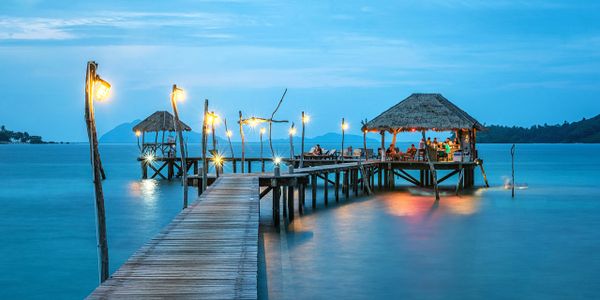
(36, 28)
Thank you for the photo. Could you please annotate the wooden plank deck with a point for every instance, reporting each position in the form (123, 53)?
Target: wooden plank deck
(209, 251)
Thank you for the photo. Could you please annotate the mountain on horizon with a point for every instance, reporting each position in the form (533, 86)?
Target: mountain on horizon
(123, 134)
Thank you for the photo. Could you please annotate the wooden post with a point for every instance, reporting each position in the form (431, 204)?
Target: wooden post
(326, 188)
(300, 198)
(262, 161)
(337, 186)
(292, 129)
(355, 182)
(284, 195)
(271, 125)
(313, 182)
(347, 184)
(144, 169)
(90, 81)
(242, 137)
(181, 146)
(227, 132)
(276, 198)
(343, 131)
(302, 143)
(512, 155)
(432, 168)
(290, 203)
(204, 146)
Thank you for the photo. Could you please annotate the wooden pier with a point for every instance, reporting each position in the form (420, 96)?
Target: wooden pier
(209, 251)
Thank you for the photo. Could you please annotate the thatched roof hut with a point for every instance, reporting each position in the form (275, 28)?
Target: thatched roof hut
(423, 112)
(159, 121)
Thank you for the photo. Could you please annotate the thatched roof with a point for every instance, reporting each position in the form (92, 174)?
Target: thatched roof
(423, 112)
(160, 121)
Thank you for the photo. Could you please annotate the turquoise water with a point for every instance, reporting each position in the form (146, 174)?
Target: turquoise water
(542, 244)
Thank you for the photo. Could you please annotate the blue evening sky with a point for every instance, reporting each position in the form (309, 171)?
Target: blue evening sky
(505, 62)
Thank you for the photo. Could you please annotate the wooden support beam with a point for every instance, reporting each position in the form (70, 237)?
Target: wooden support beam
(313, 182)
(336, 186)
(301, 196)
(326, 188)
(347, 184)
(265, 192)
(447, 176)
(276, 198)
(406, 178)
(290, 199)
(284, 196)
(157, 171)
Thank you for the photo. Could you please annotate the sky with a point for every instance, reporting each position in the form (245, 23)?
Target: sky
(520, 62)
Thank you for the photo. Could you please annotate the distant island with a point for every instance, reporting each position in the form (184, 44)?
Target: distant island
(12, 137)
(584, 131)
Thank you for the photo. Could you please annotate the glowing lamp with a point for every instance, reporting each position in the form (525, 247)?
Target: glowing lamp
(263, 130)
(292, 131)
(218, 160)
(277, 160)
(306, 119)
(101, 88)
(179, 95)
(229, 133)
(345, 126)
(138, 133)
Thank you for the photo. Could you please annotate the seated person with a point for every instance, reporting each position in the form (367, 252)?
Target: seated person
(318, 150)
(411, 151)
(392, 154)
(422, 144)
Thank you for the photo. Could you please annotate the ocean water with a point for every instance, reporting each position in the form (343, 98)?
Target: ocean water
(542, 244)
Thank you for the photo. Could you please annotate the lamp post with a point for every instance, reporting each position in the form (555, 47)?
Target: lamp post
(138, 134)
(344, 128)
(98, 89)
(229, 134)
(204, 162)
(292, 132)
(177, 94)
(262, 162)
(305, 119)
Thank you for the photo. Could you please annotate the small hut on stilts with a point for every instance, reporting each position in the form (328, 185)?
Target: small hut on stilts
(430, 112)
(161, 151)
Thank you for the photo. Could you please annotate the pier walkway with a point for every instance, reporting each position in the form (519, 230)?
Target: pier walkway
(209, 251)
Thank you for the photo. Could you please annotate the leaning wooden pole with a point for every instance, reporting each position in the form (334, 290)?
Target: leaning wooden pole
(204, 147)
(96, 171)
(243, 142)
(292, 130)
(271, 123)
(432, 169)
(512, 154)
(181, 145)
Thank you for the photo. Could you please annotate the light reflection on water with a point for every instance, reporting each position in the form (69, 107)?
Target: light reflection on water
(145, 190)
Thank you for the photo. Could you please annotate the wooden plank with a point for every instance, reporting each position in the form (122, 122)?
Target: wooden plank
(208, 251)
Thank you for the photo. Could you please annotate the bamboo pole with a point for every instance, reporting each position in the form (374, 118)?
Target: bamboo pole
(260, 135)
(292, 129)
(242, 137)
(343, 134)
(432, 168)
(204, 146)
(302, 143)
(97, 172)
(512, 155)
(229, 140)
(181, 146)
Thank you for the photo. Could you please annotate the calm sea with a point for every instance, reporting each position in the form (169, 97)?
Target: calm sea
(543, 244)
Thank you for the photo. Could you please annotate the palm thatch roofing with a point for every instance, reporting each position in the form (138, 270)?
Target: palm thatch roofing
(423, 112)
(160, 121)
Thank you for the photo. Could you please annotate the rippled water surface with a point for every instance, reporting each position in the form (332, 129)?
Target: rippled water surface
(542, 244)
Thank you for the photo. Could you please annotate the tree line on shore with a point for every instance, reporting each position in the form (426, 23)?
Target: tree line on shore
(584, 131)
(9, 136)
